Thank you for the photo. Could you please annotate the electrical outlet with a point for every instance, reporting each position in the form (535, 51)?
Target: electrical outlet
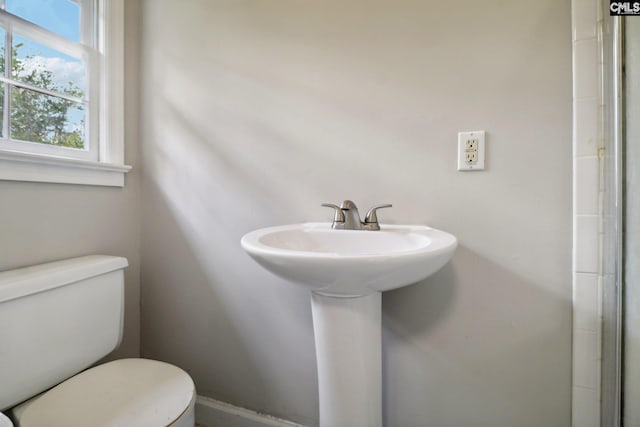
(471, 151)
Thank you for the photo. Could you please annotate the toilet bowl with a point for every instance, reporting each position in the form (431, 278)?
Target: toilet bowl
(56, 320)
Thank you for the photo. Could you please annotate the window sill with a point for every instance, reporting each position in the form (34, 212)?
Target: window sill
(19, 166)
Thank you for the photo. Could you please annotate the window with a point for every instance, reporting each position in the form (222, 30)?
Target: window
(61, 91)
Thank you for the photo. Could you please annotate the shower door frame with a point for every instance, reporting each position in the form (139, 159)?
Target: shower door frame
(612, 404)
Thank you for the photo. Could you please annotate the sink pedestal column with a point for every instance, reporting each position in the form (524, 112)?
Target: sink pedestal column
(348, 349)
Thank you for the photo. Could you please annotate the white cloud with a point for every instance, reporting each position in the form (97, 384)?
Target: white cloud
(63, 71)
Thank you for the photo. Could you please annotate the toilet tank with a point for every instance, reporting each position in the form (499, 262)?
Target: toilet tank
(57, 319)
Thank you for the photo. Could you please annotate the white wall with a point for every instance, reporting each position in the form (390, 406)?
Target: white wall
(48, 222)
(255, 112)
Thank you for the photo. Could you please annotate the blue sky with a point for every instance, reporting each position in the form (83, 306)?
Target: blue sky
(59, 16)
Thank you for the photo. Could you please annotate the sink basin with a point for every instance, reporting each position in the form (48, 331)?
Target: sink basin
(347, 270)
(350, 262)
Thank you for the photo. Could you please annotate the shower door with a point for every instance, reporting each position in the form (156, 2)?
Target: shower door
(631, 196)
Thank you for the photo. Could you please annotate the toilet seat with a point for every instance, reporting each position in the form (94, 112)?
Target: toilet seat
(4, 421)
(122, 393)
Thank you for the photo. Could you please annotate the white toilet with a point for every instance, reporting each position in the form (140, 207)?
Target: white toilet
(56, 320)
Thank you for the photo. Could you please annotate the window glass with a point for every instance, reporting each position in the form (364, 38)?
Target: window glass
(2, 85)
(3, 88)
(61, 78)
(47, 68)
(2, 38)
(44, 93)
(36, 117)
(59, 16)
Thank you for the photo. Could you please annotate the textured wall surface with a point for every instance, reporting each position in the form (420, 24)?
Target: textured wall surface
(254, 112)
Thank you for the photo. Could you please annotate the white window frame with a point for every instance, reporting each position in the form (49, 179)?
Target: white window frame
(107, 90)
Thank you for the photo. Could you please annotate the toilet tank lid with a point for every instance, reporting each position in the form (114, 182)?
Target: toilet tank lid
(39, 278)
(125, 392)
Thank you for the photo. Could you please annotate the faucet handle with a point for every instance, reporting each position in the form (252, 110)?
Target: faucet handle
(339, 214)
(371, 217)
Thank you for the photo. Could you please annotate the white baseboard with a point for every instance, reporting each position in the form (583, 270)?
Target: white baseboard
(213, 413)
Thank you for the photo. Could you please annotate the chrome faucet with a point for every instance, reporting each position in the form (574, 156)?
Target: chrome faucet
(347, 217)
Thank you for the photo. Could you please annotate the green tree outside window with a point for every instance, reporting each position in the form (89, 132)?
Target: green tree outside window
(36, 117)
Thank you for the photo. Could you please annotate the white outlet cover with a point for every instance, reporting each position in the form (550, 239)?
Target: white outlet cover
(463, 150)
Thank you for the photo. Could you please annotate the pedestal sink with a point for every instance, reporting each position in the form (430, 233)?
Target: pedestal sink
(346, 272)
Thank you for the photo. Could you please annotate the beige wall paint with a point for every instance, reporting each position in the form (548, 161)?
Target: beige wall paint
(47, 222)
(255, 112)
